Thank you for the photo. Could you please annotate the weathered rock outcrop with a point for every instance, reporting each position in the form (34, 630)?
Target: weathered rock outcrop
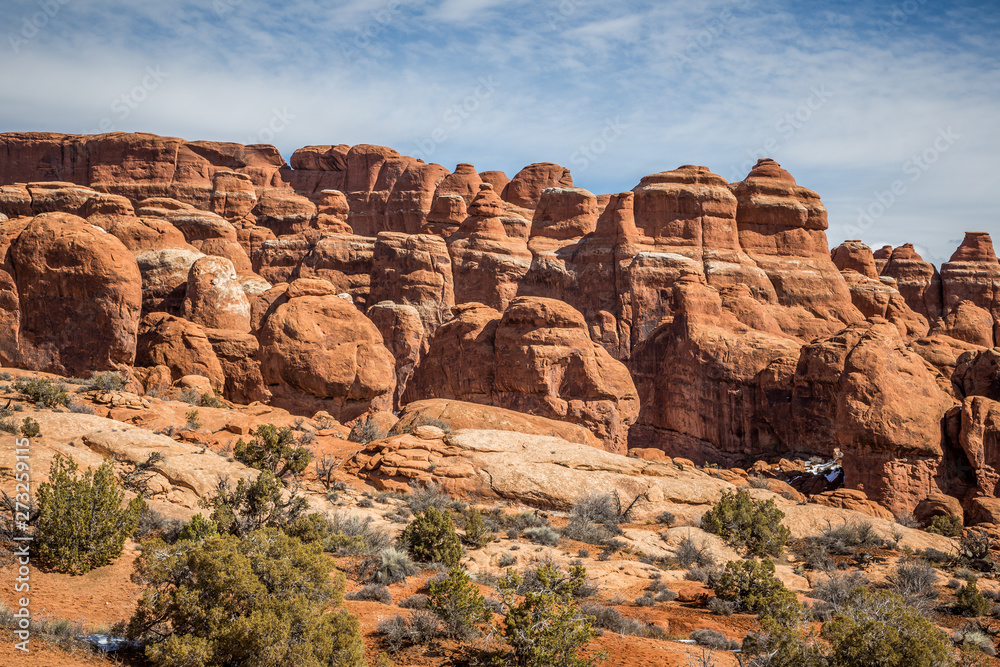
(215, 298)
(697, 377)
(181, 346)
(525, 189)
(80, 294)
(918, 281)
(318, 352)
(404, 335)
(972, 274)
(538, 359)
(414, 269)
(782, 227)
(978, 374)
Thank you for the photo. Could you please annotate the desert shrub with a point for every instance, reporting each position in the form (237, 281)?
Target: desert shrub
(193, 422)
(721, 607)
(714, 640)
(365, 430)
(542, 535)
(836, 588)
(499, 521)
(366, 503)
(477, 535)
(612, 620)
(688, 554)
(416, 601)
(371, 593)
(259, 600)
(666, 595)
(879, 628)
(848, 537)
(750, 584)
(973, 636)
(459, 604)
(969, 601)
(275, 450)
(936, 556)
(975, 546)
(645, 600)
(252, 505)
(546, 627)
(914, 581)
(198, 529)
(948, 525)
(420, 498)
(30, 428)
(41, 390)
(325, 468)
(747, 523)
(106, 381)
(432, 537)
(394, 566)
(666, 518)
(80, 408)
(351, 535)
(702, 574)
(81, 522)
(782, 646)
(136, 476)
(9, 426)
(399, 632)
(598, 508)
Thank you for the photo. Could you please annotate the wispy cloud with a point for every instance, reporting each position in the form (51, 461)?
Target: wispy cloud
(713, 83)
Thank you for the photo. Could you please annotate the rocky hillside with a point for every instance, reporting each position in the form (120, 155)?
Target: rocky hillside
(689, 317)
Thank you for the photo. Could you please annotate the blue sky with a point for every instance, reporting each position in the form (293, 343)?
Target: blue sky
(891, 111)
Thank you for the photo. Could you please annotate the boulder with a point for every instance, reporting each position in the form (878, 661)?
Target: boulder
(977, 373)
(164, 278)
(233, 195)
(537, 358)
(215, 298)
(179, 345)
(525, 189)
(318, 352)
(414, 269)
(972, 274)
(404, 335)
(966, 322)
(917, 281)
(80, 295)
(855, 256)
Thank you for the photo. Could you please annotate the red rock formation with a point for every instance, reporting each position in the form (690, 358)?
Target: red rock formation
(10, 319)
(403, 334)
(697, 377)
(966, 322)
(497, 179)
(318, 352)
(414, 270)
(237, 355)
(865, 392)
(333, 211)
(980, 440)
(446, 215)
(233, 195)
(285, 212)
(538, 359)
(341, 259)
(164, 278)
(977, 373)
(181, 346)
(782, 227)
(214, 297)
(487, 264)
(80, 293)
(855, 256)
(918, 281)
(464, 181)
(973, 274)
(525, 189)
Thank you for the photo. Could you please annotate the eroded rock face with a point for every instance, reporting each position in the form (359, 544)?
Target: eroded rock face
(179, 345)
(980, 440)
(855, 256)
(782, 227)
(697, 377)
(918, 281)
(538, 359)
(865, 392)
(318, 352)
(414, 269)
(80, 294)
(215, 298)
(404, 335)
(978, 374)
(973, 274)
(525, 189)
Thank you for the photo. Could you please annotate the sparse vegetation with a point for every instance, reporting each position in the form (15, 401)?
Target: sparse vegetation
(689, 554)
(477, 535)
(612, 620)
(81, 522)
(30, 428)
(969, 600)
(372, 593)
(394, 566)
(432, 537)
(106, 381)
(365, 430)
(275, 450)
(546, 627)
(749, 584)
(714, 640)
(45, 391)
(261, 599)
(744, 522)
(459, 604)
(253, 505)
(948, 525)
